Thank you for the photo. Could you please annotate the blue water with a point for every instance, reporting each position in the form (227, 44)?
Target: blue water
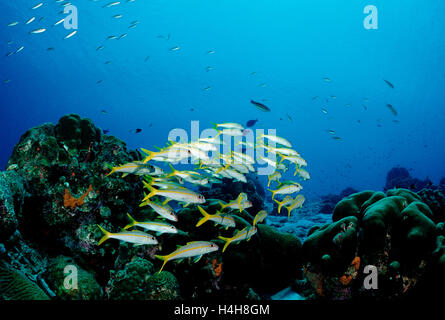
(291, 45)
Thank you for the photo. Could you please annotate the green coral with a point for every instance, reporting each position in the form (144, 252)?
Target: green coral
(378, 218)
(333, 244)
(131, 283)
(87, 286)
(420, 230)
(405, 193)
(351, 205)
(16, 286)
(163, 286)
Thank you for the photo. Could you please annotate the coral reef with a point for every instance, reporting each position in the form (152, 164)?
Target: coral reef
(435, 199)
(399, 177)
(395, 232)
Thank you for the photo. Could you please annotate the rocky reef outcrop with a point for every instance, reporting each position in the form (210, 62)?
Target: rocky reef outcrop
(399, 177)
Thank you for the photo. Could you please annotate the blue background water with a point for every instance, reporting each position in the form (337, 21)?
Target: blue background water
(291, 45)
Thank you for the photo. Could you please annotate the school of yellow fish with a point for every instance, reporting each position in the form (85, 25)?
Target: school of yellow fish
(163, 187)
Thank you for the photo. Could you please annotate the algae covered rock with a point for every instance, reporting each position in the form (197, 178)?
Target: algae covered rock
(163, 286)
(12, 194)
(76, 133)
(131, 283)
(70, 281)
(435, 199)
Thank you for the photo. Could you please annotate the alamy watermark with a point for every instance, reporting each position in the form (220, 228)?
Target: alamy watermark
(71, 277)
(71, 21)
(371, 20)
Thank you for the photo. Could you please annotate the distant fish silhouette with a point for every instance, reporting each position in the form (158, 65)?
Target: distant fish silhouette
(391, 108)
(389, 84)
(135, 130)
(251, 123)
(260, 106)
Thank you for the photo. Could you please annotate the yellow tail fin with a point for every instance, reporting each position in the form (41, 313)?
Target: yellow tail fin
(288, 212)
(150, 154)
(105, 237)
(227, 240)
(171, 174)
(164, 258)
(280, 205)
(273, 193)
(151, 194)
(223, 206)
(132, 222)
(113, 170)
(205, 218)
(238, 200)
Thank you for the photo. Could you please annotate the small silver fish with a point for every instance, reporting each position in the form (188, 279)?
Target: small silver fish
(36, 31)
(70, 34)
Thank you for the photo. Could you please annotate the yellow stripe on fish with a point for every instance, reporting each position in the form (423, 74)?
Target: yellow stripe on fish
(297, 203)
(260, 216)
(191, 249)
(136, 237)
(158, 227)
(182, 195)
(164, 211)
(286, 189)
(245, 233)
(287, 200)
